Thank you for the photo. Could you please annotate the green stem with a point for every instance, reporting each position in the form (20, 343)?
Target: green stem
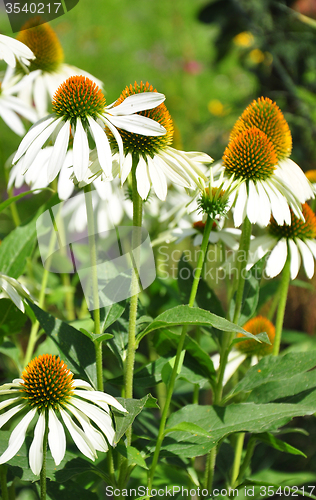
(250, 449)
(242, 258)
(3, 482)
(43, 471)
(209, 469)
(284, 288)
(34, 330)
(237, 458)
(95, 290)
(131, 346)
(176, 366)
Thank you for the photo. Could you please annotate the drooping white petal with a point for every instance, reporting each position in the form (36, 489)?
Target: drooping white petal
(295, 259)
(137, 102)
(95, 436)
(99, 397)
(307, 257)
(80, 151)
(59, 152)
(36, 449)
(17, 437)
(126, 167)
(37, 144)
(241, 205)
(65, 185)
(117, 137)
(172, 170)
(11, 48)
(77, 382)
(158, 179)
(32, 134)
(10, 413)
(11, 119)
(277, 259)
(264, 209)
(12, 293)
(98, 416)
(234, 361)
(138, 124)
(142, 179)
(312, 246)
(253, 203)
(279, 206)
(8, 402)
(40, 96)
(103, 147)
(56, 437)
(81, 440)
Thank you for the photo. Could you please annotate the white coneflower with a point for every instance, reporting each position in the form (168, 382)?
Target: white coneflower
(47, 70)
(79, 107)
(158, 162)
(257, 155)
(48, 391)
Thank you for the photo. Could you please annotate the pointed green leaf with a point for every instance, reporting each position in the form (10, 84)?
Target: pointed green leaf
(134, 407)
(192, 316)
(271, 440)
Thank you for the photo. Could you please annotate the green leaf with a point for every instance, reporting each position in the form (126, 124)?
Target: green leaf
(96, 337)
(166, 371)
(279, 376)
(277, 444)
(195, 354)
(133, 456)
(74, 347)
(10, 350)
(16, 248)
(192, 316)
(222, 421)
(69, 490)
(11, 318)
(8, 202)
(189, 427)
(109, 314)
(134, 407)
(206, 298)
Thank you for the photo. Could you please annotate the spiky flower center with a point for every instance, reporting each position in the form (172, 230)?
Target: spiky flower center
(250, 155)
(44, 43)
(267, 117)
(298, 228)
(141, 144)
(48, 383)
(78, 97)
(255, 326)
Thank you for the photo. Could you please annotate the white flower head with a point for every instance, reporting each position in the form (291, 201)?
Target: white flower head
(48, 71)
(257, 155)
(48, 391)
(12, 50)
(79, 107)
(11, 289)
(157, 162)
(296, 241)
